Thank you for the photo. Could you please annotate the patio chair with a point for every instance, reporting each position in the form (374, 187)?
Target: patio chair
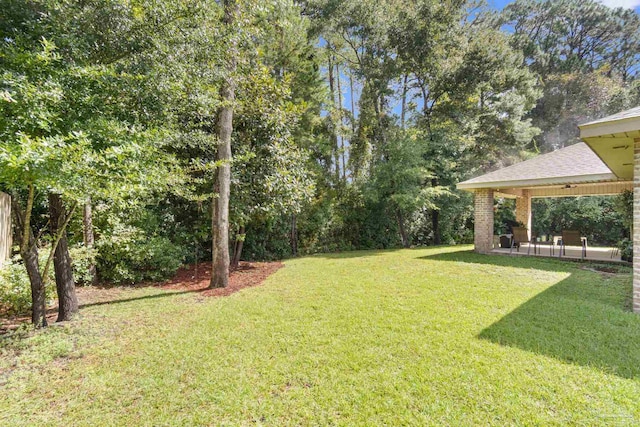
(520, 236)
(573, 238)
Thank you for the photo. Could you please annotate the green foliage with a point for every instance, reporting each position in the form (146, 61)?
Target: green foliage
(586, 55)
(626, 250)
(595, 217)
(82, 258)
(15, 290)
(503, 215)
(130, 257)
(623, 205)
(117, 102)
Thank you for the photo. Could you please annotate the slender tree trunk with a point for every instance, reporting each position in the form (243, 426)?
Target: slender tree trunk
(38, 294)
(404, 101)
(294, 235)
(435, 223)
(334, 133)
(435, 218)
(89, 239)
(220, 267)
(403, 231)
(340, 119)
(353, 105)
(65, 286)
(29, 255)
(237, 251)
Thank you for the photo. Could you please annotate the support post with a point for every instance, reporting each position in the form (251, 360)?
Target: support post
(483, 220)
(636, 225)
(523, 210)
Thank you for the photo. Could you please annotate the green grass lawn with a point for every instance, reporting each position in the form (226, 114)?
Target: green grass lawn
(411, 337)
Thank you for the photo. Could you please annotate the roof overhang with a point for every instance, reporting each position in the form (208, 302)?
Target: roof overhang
(612, 139)
(571, 165)
(602, 164)
(541, 182)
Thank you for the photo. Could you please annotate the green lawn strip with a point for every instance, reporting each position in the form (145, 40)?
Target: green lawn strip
(424, 337)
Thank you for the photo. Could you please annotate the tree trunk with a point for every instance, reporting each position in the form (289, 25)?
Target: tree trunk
(404, 101)
(334, 133)
(29, 255)
(294, 235)
(220, 267)
(89, 239)
(353, 105)
(435, 218)
(65, 286)
(435, 223)
(237, 251)
(38, 294)
(340, 119)
(403, 231)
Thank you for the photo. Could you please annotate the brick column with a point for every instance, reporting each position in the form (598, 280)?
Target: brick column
(523, 210)
(483, 223)
(636, 226)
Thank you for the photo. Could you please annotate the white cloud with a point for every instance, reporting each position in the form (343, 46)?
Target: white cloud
(627, 4)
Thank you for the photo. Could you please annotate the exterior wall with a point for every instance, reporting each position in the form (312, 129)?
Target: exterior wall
(636, 226)
(523, 210)
(5, 227)
(483, 223)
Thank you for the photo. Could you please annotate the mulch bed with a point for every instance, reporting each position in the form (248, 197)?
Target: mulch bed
(246, 275)
(188, 279)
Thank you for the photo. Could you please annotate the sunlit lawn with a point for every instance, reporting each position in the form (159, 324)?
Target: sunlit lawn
(413, 337)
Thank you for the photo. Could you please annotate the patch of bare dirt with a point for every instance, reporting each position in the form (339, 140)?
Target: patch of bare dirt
(607, 270)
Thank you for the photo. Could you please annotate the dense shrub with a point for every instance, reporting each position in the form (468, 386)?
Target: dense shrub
(596, 217)
(81, 260)
(15, 290)
(130, 257)
(626, 250)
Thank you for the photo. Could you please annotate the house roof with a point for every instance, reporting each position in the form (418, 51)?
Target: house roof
(570, 165)
(622, 115)
(612, 138)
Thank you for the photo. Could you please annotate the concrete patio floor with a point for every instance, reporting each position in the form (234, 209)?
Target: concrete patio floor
(596, 253)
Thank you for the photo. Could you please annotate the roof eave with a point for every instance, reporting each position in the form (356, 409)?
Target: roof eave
(529, 183)
(592, 130)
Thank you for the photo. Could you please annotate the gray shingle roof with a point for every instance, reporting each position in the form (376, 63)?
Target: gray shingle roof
(572, 164)
(627, 114)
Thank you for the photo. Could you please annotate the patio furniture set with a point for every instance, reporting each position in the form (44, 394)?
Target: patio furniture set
(568, 238)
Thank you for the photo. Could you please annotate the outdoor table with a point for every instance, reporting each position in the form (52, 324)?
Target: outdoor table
(549, 242)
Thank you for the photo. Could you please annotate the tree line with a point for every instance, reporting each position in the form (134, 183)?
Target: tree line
(137, 136)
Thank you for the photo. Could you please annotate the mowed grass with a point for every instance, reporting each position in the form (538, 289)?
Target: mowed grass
(437, 336)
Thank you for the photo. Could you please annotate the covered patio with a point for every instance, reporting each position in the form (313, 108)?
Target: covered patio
(606, 163)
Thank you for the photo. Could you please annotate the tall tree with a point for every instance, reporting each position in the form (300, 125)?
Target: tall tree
(220, 225)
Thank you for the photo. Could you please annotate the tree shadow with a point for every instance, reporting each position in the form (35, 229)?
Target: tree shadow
(355, 254)
(139, 298)
(584, 319)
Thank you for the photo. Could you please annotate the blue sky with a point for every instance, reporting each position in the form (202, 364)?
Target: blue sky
(630, 4)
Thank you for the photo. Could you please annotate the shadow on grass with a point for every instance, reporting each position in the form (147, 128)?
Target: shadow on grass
(583, 319)
(140, 298)
(355, 254)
